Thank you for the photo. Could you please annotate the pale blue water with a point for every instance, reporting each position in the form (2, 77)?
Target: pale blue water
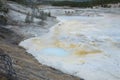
(54, 51)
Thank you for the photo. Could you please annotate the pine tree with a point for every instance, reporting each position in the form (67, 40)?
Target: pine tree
(43, 15)
(49, 14)
(27, 19)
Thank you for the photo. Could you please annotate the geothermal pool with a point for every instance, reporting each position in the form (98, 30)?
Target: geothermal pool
(83, 46)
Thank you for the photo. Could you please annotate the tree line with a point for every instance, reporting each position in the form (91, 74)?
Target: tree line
(84, 4)
(20, 1)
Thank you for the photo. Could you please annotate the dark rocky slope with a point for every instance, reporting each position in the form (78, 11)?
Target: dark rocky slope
(9, 36)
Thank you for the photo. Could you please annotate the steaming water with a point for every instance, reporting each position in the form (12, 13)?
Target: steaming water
(87, 47)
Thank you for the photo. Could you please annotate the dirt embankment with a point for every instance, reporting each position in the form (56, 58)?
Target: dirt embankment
(25, 65)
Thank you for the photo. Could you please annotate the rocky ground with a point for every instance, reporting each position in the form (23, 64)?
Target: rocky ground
(25, 65)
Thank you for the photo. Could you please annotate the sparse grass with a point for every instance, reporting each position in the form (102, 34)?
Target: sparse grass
(3, 78)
